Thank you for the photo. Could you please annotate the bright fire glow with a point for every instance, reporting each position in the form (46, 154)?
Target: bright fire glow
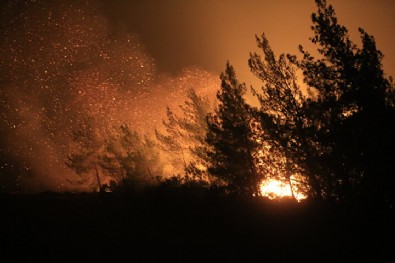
(277, 189)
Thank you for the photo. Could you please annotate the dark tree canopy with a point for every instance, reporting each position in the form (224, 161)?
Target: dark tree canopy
(339, 133)
(356, 114)
(230, 137)
(282, 114)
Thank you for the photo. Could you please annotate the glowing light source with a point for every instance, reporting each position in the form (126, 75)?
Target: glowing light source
(277, 189)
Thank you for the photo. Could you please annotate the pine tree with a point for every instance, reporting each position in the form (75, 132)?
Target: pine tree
(331, 79)
(120, 159)
(183, 137)
(339, 134)
(173, 140)
(87, 153)
(354, 118)
(231, 151)
(373, 126)
(136, 158)
(282, 118)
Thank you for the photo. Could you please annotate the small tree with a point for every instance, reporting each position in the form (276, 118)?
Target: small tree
(230, 137)
(87, 153)
(135, 157)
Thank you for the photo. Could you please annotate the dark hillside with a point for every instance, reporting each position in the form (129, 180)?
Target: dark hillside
(188, 227)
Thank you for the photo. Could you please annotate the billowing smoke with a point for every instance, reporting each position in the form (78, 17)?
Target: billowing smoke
(61, 64)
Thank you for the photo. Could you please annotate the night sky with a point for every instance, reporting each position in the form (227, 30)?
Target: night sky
(206, 33)
(124, 61)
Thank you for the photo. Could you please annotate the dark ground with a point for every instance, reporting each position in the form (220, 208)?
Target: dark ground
(164, 226)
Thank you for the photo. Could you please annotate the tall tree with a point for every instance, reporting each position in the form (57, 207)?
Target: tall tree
(282, 117)
(331, 78)
(339, 134)
(230, 137)
(183, 137)
(373, 125)
(354, 118)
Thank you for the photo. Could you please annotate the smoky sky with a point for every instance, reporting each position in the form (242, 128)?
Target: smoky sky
(178, 33)
(62, 66)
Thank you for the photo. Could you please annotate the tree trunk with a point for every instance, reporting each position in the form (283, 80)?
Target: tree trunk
(98, 178)
(290, 186)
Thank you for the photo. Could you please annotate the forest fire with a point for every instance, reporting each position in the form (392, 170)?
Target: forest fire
(85, 105)
(278, 189)
(172, 130)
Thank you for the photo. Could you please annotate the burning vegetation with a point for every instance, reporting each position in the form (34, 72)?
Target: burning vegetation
(84, 108)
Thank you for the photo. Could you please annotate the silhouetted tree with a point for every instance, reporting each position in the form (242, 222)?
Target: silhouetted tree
(339, 134)
(119, 159)
(87, 153)
(184, 136)
(230, 137)
(134, 158)
(282, 116)
(173, 139)
(355, 117)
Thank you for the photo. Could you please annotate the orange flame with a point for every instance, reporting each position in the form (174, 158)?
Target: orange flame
(277, 189)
